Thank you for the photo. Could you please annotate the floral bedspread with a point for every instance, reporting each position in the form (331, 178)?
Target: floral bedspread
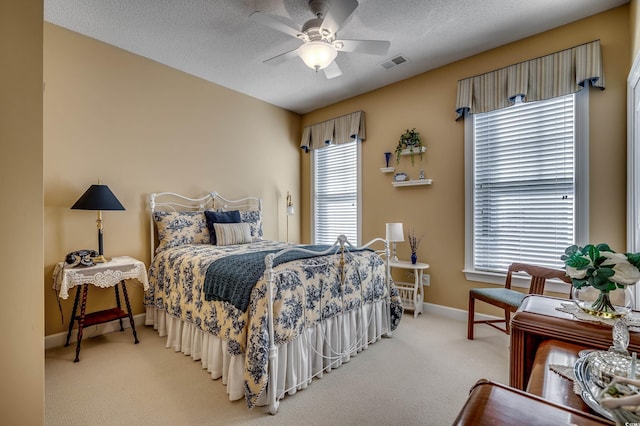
(307, 291)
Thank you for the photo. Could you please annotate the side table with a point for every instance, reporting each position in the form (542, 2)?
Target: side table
(492, 403)
(411, 294)
(537, 319)
(104, 275)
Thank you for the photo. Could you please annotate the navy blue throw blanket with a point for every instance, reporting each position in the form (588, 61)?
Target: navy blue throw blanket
(231, 278)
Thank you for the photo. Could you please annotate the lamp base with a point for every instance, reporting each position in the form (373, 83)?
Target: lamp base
(100, 259)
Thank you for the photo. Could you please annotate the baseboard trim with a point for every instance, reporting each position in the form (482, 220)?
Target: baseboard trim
(59, 339)
(453, 313)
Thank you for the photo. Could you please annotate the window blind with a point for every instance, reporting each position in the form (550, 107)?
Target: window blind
(524, 189)
(336, 193)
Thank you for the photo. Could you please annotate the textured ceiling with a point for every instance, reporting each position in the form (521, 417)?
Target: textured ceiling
(217, 41)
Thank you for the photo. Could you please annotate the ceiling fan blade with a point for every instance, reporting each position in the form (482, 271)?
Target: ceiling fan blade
(332, 70)
(268, 21)
(281, 57)
(338, 12)
(373, 47)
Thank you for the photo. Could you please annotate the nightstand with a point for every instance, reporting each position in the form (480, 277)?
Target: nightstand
(103, 275)
(411, 294)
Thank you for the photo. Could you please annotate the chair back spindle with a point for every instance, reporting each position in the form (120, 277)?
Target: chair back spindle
(507, 299)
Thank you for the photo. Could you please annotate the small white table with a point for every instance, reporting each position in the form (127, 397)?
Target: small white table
(411, 294)
(104, 275)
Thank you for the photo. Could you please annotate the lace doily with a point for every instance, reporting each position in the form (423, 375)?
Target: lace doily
(632, 319)
(568, 373)
(102, 275)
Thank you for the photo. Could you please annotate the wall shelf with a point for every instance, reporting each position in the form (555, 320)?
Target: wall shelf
(414, 182)
(415, 151)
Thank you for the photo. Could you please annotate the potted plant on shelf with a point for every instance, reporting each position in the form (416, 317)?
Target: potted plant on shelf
(412, 141)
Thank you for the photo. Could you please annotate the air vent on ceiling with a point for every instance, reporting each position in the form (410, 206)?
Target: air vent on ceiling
(393, 62)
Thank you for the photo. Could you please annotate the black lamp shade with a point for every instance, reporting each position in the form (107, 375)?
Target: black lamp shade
(98, 197)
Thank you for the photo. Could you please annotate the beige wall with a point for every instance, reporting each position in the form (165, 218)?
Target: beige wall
(634, 20)
(89, 118)
(427, 102)
(142, 127)
(22, 356)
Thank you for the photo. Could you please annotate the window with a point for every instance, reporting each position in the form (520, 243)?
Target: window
(336, 189)
(526, 184)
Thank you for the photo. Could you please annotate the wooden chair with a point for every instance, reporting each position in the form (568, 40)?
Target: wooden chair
(510, 300)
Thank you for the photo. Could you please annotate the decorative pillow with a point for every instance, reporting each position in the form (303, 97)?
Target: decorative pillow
(179, 228)
(232, 233)
(254, 219)
(232, 216)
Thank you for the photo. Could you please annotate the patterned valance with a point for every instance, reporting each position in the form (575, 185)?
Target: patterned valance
(550, 76)
(336, 131)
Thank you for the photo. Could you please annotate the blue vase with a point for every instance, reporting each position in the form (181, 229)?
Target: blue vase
(387, 157)
(414, 258)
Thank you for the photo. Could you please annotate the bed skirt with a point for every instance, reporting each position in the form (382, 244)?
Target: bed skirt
(321, 348)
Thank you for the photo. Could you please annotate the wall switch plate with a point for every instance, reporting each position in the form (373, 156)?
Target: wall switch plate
(426, 279)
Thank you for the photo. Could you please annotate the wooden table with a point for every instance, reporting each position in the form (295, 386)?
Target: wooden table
(104, 275)
(537, 319)
(548, 384)
(491, 403)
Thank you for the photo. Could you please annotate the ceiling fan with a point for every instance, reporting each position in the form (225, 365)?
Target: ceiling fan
(319, 36)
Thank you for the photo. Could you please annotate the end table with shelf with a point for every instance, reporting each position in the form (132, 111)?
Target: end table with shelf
(412, 294)
(103, 275)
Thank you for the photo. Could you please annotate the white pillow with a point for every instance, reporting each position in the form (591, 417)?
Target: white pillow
(232, 233)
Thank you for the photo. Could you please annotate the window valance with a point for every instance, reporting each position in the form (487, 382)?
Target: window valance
(557, 74)
(336, 131)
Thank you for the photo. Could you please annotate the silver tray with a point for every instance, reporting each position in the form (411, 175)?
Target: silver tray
(590, 390)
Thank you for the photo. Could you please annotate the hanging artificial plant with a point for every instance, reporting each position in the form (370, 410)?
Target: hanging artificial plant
(412, 141)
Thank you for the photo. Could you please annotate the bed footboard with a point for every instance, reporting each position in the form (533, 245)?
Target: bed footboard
(341, 245)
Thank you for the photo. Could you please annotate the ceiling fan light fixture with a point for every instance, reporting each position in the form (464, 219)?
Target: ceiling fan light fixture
(317, 55)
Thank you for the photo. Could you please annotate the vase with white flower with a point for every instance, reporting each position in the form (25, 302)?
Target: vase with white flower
(414, 242)
(600, 270)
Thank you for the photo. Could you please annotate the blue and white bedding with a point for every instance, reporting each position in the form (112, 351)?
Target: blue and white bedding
(307, 292)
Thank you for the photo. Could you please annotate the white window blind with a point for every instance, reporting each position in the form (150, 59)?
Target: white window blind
(336, 193)
(524, 184)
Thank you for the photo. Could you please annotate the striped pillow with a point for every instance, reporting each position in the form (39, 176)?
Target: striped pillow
(232, 233)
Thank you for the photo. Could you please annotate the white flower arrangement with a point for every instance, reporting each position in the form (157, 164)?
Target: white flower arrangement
(600, 267)
(603, 269)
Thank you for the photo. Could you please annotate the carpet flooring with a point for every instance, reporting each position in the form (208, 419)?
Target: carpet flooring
(420, 376)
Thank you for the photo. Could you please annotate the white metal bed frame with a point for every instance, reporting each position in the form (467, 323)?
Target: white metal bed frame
(175, 202)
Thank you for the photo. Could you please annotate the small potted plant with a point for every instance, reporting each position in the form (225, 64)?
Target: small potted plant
(412, 141)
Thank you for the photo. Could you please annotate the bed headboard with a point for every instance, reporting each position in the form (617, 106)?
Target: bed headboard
(172, 202)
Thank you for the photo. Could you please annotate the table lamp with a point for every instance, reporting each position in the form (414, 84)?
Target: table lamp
(98, 197)
(395, 234)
